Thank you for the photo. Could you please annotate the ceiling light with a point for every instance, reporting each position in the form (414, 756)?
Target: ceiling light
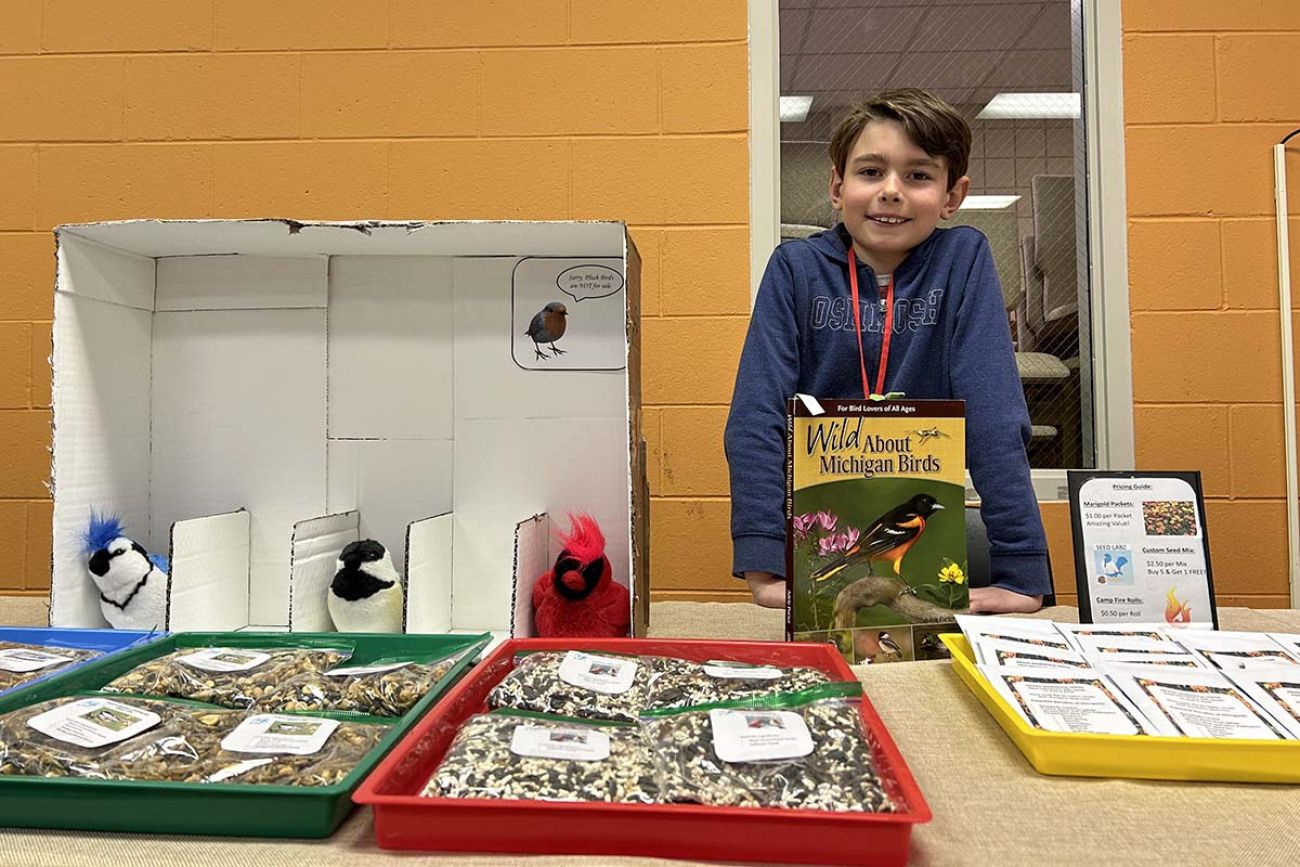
(1031, 105)
(795, 108)
(987, 203)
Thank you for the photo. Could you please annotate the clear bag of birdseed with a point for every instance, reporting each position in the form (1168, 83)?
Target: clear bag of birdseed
(288, 749)
(82, 736)
(682, 683)
(127, 738)
(21, 662)
(806, 750)
(233, 677)
(576, 683)
(386, 687)
(527, 756)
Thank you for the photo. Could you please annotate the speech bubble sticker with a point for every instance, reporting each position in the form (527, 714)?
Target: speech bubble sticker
(589, 281)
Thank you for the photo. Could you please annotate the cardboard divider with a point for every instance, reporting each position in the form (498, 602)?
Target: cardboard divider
(428, 574)
(313, 558)
(425, 569)
(208, 585)
(532, 559)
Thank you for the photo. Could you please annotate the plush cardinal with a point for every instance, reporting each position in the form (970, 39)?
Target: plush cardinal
(579, 596)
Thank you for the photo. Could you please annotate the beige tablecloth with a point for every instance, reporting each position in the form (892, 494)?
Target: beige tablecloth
(990, 807)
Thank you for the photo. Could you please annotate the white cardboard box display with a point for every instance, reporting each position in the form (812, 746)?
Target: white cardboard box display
(251, 395)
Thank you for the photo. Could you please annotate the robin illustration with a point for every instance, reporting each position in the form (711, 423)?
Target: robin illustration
(547, 327)
(888, 538)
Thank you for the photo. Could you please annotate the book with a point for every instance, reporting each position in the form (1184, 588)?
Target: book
(875, 525)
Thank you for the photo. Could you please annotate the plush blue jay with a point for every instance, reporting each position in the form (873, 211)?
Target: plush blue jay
(132, 582)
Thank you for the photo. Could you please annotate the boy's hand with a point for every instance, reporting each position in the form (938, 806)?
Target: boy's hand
(768, 589)
(996, 600)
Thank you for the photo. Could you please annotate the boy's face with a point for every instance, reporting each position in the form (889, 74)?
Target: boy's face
(892, 194)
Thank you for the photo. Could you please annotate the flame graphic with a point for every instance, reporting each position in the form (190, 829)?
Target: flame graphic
(1175, 611)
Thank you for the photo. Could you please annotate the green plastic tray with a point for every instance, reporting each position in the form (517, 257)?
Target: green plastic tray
(222, 809)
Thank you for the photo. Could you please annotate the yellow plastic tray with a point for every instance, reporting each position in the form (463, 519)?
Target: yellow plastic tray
(1140, 757)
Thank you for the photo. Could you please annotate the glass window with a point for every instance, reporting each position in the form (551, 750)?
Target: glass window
(1015, 71)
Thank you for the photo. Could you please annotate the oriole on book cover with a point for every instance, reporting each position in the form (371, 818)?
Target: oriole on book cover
(875, 525)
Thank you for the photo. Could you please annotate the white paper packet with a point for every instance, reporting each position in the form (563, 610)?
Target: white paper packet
(1000, 653)
(1123, 657)
(1039, 633)
(1066, 701)
(1128, 637)
(1196, 703)
(1231, 650)
(1275, 689)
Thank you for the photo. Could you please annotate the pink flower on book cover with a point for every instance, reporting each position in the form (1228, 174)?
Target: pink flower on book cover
(838, 543)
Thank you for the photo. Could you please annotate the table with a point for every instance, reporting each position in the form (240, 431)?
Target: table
(990, 807)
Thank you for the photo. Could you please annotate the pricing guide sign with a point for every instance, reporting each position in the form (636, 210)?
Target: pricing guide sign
(1141, 550)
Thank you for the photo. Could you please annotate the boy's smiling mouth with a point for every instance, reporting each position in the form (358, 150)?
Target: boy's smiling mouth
(887, 219)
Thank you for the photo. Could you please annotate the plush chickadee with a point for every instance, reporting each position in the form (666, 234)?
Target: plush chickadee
(366, 594)
(132, 582)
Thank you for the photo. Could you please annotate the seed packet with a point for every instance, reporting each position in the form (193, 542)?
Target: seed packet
(527, 756)
(578, 684)
(1195, 703)
(805, 750)
(998, 652)
(1233, 650)
(680, 683)
(115, 737)
(20, 662)
(233, 677)
(1275, 689)
(1083, 701)
(386, 687)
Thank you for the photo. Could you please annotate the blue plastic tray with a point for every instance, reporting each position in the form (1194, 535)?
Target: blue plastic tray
(106, 641)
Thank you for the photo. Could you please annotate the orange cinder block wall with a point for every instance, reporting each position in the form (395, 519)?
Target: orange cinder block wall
(344, 109)
(1209, 88)
(594, 109)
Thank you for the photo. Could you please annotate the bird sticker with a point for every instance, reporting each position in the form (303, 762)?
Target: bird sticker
(930, 433)
(547, 327)
(888, 539)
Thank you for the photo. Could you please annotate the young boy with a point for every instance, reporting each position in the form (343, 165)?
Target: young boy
(899, 165)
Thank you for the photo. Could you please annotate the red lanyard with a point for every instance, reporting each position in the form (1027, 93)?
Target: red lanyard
(857, 322)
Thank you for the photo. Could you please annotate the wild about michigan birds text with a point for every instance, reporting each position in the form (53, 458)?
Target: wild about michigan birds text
(844, 449)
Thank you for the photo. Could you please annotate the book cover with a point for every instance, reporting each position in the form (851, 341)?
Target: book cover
(875, 525)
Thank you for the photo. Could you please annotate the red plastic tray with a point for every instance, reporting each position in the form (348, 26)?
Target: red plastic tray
(405, 820)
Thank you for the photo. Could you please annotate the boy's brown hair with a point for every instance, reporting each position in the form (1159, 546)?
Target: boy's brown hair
(932, 124)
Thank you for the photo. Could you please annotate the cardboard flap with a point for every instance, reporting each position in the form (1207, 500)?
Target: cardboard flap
(389, 482)
(239, 420)
(428, 574)
(91, 270)
(490, 383)
(390, 349)
(101, 441)
(313, 560)
(532, 559)
(272, 237)
(558, 466)
(209, 573)
(221, 282)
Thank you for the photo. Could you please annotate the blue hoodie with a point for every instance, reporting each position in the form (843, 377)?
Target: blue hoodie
(951, 340)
